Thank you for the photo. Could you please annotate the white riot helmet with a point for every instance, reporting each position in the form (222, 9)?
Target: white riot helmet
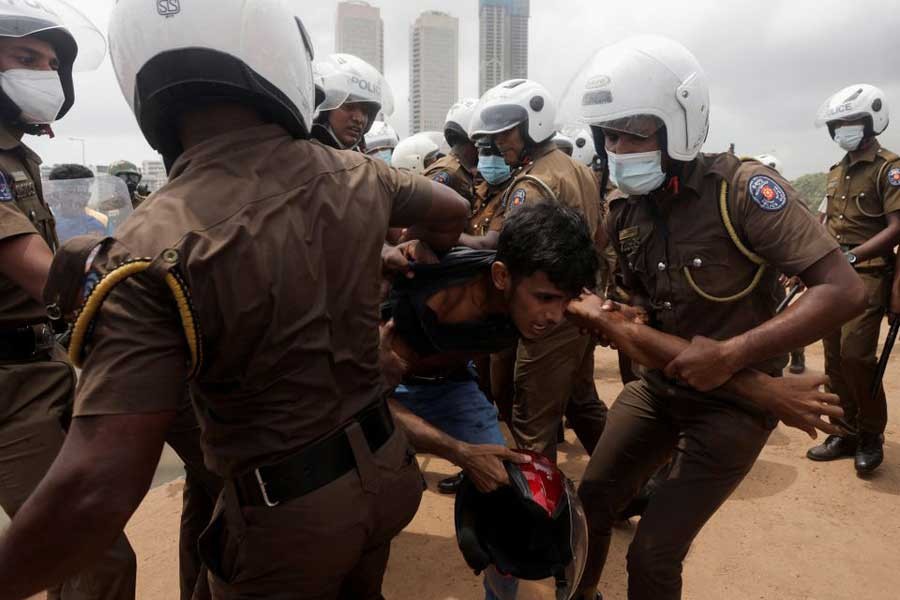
(642, 83)
(257, 52)
(349, 79)
(512, 103)
(459, 118)
(860, 101)
(381, 136)
(770, 160)
(564, 143)
(41, 97)
(415, 153)
(584, 151)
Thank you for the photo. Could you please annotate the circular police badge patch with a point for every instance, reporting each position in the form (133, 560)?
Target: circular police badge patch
(518, 198)
(442, 177)
(767, 194)
(894, 177)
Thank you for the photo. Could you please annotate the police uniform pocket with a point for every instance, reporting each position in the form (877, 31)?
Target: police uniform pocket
(712, 276)
(633, 246)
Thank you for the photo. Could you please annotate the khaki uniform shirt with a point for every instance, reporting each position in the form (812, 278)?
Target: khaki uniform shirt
(22, 212)
(282, 267)
(659, 239)
(450, 172)
(861, 189)
(573, 184)
(486, 214)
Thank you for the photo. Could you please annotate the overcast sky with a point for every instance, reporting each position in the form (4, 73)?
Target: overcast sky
(771, 63)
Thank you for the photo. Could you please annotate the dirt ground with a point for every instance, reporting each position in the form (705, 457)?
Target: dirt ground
(794, 530)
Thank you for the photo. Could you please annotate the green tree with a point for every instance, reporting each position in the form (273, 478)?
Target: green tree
(812, 187)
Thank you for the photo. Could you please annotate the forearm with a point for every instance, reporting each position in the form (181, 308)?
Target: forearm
(26, 260)
(485, 242)
(423, 436)
(444, 221)
(881, 244)
(63, 528)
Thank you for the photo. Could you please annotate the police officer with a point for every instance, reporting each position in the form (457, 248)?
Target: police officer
(131, 175)
(251, 285)
(458, 168)
(863, 216)
(417, 153)
(354, 94)
(647, 102)
(39, 45)
(381, 141)
(554, 376)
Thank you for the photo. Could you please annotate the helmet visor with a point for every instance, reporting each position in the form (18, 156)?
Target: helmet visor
(498, 118)
(835, 112)
(642, 126)
(19, 19)
(346, 78)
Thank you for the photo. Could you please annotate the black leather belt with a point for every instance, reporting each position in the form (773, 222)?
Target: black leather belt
(316, 465)
(25, 343)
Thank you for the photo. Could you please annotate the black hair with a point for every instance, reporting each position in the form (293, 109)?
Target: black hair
(551, 238)
(70, 171)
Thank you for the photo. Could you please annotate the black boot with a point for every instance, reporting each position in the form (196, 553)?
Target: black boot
(798, 361)
(450, 485)
(869, 453)
(833, 448)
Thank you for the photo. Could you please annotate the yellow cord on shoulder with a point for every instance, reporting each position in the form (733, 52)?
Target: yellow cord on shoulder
(107, 284)
(95, 301)
(743, 249)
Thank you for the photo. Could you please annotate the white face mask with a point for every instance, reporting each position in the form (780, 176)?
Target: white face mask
(638, 173)
(38, 94)
(849, 137)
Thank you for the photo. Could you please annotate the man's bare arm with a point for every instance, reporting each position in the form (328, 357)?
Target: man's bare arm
(487, 241)
(797, 401)
(25, 259)
(481, 462)
(95, 484)
(883, 242)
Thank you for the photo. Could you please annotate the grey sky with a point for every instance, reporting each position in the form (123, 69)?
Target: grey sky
(771, 63)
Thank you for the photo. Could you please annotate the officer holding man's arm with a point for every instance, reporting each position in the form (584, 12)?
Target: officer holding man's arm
(701, 241)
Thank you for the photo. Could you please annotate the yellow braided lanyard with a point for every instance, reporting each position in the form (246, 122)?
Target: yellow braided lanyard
(743, 249)
(105, 286)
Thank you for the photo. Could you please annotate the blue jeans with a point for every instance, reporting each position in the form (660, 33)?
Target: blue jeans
(458, 408)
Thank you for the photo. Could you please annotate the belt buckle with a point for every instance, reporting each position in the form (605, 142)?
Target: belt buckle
(262, 489)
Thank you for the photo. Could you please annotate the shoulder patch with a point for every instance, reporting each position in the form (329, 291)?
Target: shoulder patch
(442, 177)
(5, 191)
(766, 192)
(893, 176)
(518, 198)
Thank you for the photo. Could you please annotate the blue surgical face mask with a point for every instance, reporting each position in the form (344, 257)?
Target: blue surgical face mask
(493, 168)
(637, 173)
(384, 155)
(849, 137)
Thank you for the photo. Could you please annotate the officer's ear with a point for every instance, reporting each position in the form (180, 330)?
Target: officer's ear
(501, 276)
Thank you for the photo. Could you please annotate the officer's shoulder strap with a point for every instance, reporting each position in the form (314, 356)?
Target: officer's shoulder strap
(528, 177)
(164, 267)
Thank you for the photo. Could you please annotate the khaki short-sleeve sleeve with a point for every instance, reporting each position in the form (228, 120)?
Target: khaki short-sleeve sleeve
(136, 358)
(773, 220)
(890, 187)
(12, 222)
(411, 194)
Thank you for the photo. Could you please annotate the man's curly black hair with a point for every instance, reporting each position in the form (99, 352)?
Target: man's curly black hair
(551, 238)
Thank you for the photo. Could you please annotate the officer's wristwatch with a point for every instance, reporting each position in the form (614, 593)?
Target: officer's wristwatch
(851, 258)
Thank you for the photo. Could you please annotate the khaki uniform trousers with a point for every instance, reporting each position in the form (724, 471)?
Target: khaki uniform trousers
(330, 544)
(35, 405)
(713, 446)
(554, 377)
(850, 360)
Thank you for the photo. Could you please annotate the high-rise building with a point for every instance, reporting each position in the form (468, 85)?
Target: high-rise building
(360, 31)
(153, 174)
(503, 41)
(434, 70)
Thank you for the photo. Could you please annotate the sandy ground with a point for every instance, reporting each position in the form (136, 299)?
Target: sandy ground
(794, 530)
